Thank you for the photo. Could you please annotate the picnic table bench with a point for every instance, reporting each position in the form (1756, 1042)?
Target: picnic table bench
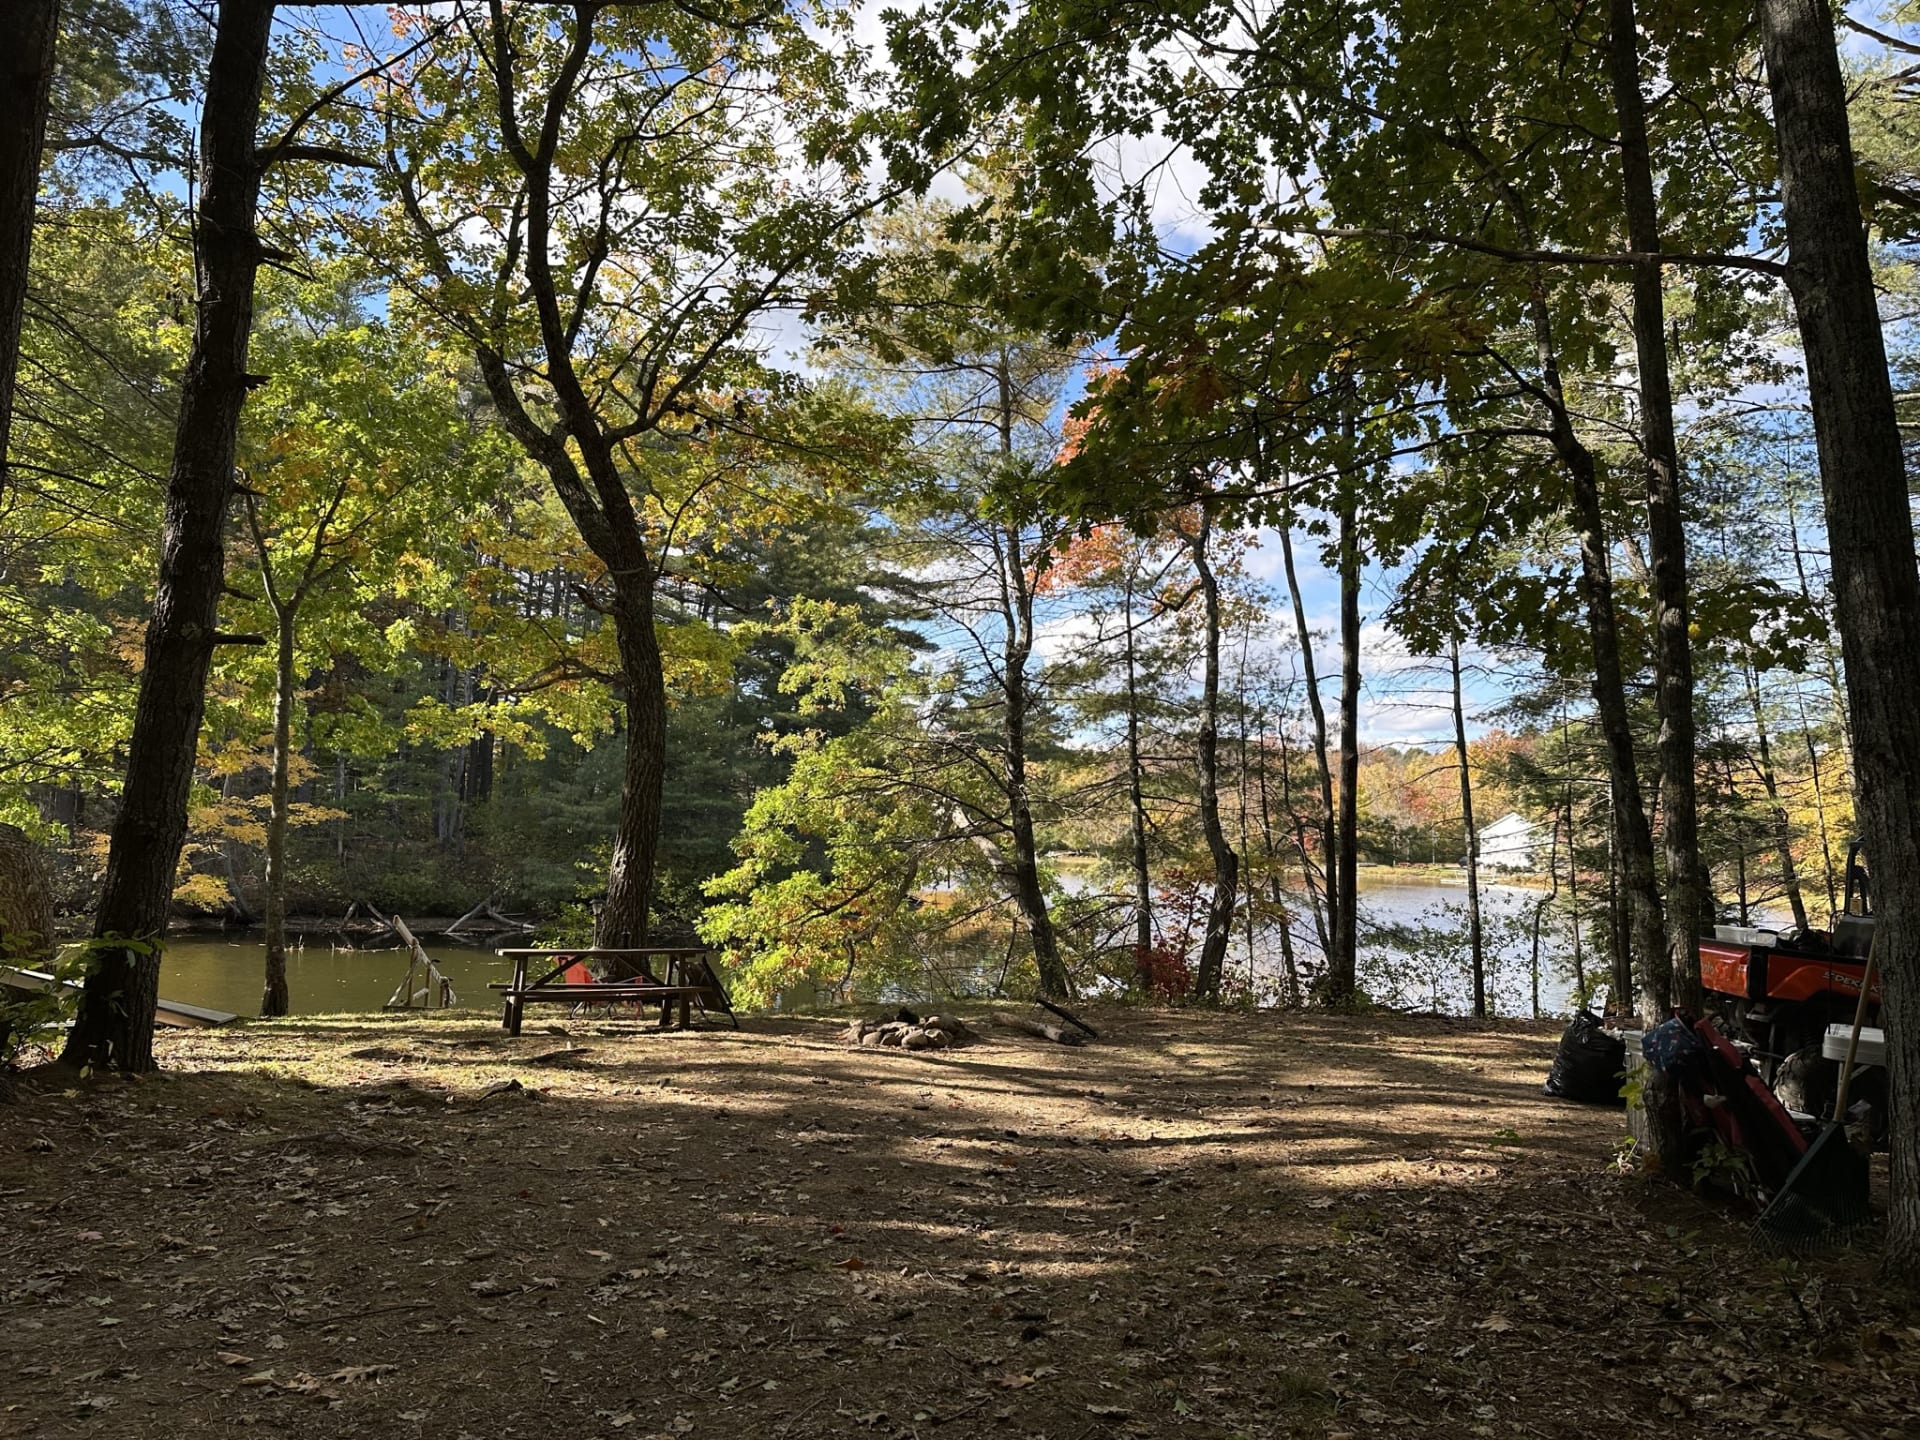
(567, 980)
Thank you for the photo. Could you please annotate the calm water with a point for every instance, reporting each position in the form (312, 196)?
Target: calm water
(1412, 953)
(1437, 974)
(227, 974)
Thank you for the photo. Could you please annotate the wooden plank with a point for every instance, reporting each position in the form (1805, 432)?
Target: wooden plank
(166, 1012)
(579, 950)
(597, 992)
(179, 1013)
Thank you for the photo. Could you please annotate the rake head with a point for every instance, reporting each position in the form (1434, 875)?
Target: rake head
(1824, 1201)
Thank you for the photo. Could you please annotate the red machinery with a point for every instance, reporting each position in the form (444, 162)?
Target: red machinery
(1783, 992)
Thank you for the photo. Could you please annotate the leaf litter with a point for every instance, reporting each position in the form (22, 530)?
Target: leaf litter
(1204, 1225)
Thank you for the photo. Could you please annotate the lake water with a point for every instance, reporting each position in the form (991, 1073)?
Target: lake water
(228, 974)
(1412, 954)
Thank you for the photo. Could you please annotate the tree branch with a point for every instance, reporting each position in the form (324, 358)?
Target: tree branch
(1621, 259)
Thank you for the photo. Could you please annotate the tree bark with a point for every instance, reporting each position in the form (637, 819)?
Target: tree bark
(114, 1027)
(1276, 892)
(1137, 814)
(1634, 834)
(1687, 889)
(1819, 805)
(1326, 903)
(1475, 940)
(1028, 892)
(1226, 864)
(1782, 831)
(623, 917)
(1016, 615)
(1876, 581)
(26, 81)
(1343, 964)
(273, 995)
(1618, 922)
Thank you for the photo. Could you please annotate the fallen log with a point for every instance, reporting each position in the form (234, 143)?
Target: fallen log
(1058, 1034)
(474, 914)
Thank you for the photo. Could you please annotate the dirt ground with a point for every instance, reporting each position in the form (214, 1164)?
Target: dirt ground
(1202, 1225)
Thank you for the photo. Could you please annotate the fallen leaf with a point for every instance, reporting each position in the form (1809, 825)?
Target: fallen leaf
(359, 1374)
(229, 1357)
(1497, 1323)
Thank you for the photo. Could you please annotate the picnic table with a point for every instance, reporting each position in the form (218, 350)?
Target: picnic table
(565, 978)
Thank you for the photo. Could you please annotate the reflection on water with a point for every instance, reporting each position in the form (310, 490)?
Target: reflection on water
(1437, 975)
(228, 974)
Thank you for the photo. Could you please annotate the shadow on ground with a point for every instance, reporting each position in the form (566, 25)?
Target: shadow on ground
(1205, 1225)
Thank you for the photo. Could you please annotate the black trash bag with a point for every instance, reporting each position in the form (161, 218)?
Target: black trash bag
(1589, 1063)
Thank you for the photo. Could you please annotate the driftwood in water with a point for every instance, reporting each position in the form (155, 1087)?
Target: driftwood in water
(436, 991)
(485, 911)
(1058, 1034)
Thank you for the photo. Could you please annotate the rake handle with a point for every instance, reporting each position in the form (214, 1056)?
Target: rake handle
(1859, 1019)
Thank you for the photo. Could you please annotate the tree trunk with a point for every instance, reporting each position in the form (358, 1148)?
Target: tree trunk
(1226, 864)
(1634, 834)
(1137, 816)
(1276, 892)
(1819, 806)
(1687, 897)
(1474, 938)
(1250, 898)
(1343, 964)
(1016, 602)
(1329, 855)
(1017, 653)
(26, 79)
(114, 1027)
(623, 918)
(273, 996)
(1540, 910)
(1619, 950)
(1782, 831)
(1876, 582)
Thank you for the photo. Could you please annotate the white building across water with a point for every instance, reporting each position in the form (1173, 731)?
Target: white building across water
(1509, 843)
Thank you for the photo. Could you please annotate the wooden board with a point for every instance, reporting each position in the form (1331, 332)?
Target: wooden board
(166, 1012)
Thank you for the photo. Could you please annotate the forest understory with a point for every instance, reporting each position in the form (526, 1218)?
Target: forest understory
(1202, 1224)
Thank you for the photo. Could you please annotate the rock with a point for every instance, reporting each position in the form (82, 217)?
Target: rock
(893, 1035)
(871, 1039)
(920, 1038)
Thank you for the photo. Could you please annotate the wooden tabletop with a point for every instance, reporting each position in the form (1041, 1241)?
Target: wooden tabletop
(605, 950)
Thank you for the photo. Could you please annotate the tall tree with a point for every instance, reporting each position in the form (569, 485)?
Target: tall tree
(1686, 909)
(1876, 580)
(1475, 941)
(114, 1026)
(26, 82)
(1226, 863)
(623, 172)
